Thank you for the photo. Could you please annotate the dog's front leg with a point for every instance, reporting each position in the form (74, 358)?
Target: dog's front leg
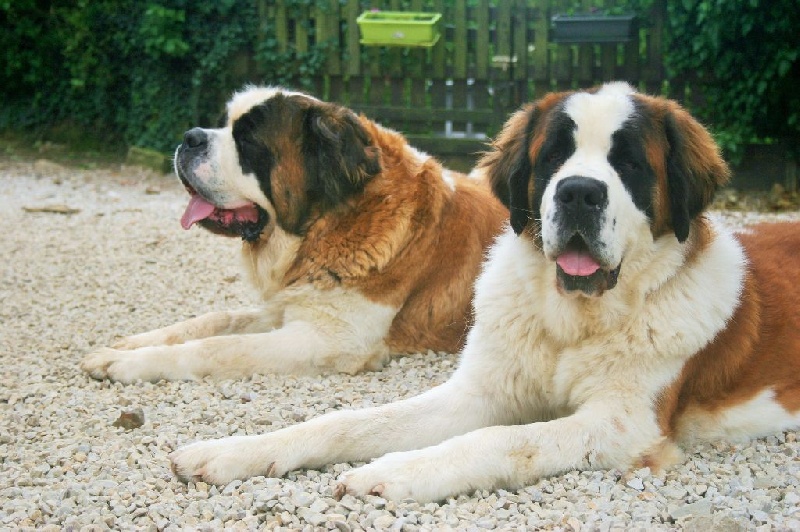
(247, 321)
(298, 348)
(345, 436)
(605, 436)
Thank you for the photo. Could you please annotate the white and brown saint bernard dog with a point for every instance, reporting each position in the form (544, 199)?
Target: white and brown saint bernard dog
(614, 321)
(359, 245)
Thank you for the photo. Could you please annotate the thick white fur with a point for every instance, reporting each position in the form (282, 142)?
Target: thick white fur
(535, 393)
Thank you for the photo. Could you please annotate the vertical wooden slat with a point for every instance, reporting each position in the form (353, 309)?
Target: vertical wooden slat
(585, 73)
(562, 63)
(417, 97)
(608, 62)
(459, 88)
(480, 87)
(333, 67)
(281, 23)
(354, 79)
(376, 83)
(482, 40)
(301, 27)
(438, 72)
(630, 67)
(460, 39)
(353, 46)
(504, 53)
(541, 57)
(519, 30)
(328, 27)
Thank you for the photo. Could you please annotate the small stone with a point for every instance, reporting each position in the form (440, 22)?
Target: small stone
(700, 508)
(319, 505)
(383, 522)
(311, 517)
(636, 483)
(130, 419)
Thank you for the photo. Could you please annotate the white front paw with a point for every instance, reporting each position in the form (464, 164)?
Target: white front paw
(221, 461)
(396, 476)
(122, 366)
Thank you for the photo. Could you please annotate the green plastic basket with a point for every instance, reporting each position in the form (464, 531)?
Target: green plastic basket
(396, 28)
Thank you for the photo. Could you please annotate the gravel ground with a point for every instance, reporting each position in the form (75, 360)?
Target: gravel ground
(121, 264)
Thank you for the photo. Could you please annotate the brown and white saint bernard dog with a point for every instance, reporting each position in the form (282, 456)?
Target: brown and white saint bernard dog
(614, 321)
(359, 245)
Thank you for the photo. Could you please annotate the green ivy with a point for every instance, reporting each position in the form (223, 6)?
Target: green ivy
(745, 56)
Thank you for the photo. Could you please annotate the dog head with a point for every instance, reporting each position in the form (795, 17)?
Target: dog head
(588, 174)
(281, 155)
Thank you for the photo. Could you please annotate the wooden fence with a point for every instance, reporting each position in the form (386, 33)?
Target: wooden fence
(493, 56)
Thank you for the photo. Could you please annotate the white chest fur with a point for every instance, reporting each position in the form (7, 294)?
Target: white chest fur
(267, 262)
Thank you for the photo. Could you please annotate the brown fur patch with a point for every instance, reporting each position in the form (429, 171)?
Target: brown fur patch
(676, 143)
(760, 349)
(409, 241)
(509, 165)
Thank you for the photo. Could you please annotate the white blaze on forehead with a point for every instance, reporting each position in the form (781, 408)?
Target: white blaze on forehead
(242, 101)
(597, 116)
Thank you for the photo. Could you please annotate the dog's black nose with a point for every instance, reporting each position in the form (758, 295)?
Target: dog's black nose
(582, 193)
(195, 138)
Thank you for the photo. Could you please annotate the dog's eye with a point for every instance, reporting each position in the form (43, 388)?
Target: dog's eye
(555, 158)
(630, 165)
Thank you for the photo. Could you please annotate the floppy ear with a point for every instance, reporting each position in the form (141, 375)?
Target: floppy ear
(695, 169)
(339, 153)
(508, 168)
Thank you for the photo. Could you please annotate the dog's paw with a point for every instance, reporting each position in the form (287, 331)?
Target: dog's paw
(116, 365)
(224, 460)
(396, 476)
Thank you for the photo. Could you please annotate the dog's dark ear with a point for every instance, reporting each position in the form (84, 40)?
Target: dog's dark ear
(508, 168)
(695, 169)
(339, 153)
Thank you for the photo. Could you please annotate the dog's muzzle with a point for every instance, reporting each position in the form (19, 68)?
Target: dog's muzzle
(247, 220)
(580, 214)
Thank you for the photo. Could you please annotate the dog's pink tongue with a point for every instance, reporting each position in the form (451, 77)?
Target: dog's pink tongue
(576, 263)
(198, 209)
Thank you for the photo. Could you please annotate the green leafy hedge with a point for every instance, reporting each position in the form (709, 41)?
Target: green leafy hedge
(746, 54)
(133, 72)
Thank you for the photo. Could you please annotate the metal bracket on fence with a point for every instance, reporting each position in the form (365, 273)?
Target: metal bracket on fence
(504, 61)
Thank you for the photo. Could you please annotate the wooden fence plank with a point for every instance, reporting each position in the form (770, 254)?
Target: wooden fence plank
(482, 40)
(352, 10)
(301, 31)
(460, 39)
(329, 29)
(439, 50)
(281, 26)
